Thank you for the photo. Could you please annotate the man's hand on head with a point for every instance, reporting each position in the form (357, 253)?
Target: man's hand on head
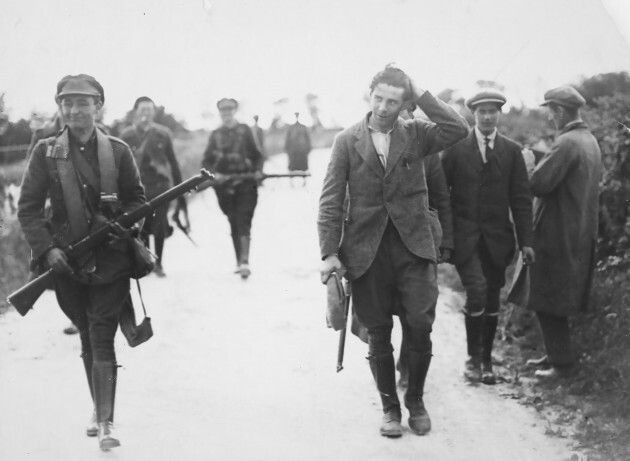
(416, 91)
(331, 264)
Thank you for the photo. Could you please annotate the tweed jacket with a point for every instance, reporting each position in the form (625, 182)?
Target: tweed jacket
(377, 195)
(483, 196)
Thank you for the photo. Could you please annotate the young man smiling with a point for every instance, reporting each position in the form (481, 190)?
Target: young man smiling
(89, 177)
(388, 244)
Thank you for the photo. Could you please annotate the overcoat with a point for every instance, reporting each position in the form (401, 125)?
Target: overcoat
(376, 194)
(482, 197)
(566, 186)
(298, 146)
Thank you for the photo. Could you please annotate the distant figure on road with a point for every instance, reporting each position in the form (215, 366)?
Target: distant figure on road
(487, 177)
(232, 151)
(388, 245)
(298, 146)
(89, 177)
(566, 188)
(152, 147)
(259, 137)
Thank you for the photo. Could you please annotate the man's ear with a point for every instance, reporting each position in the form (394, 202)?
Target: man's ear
(99, 104)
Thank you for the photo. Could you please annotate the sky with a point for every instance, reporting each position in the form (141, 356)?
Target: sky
(187, 54)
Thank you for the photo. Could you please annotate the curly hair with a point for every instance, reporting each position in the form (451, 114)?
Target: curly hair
(393, 76)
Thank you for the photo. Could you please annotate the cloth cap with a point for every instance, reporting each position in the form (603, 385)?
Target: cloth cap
(226, 103)
(564, 96)
(489, 95)
(81, 84)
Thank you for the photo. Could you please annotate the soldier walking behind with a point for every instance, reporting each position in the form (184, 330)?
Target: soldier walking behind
(298, 146)
(388, 244)
(232, 151)
(152, 147)
(566, 188)
(487, 178)
(90, 177)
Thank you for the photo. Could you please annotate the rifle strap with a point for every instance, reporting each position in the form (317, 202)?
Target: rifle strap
(141, 300)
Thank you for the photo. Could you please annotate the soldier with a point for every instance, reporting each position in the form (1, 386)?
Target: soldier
(231, 151)
(298, 146)
(259, 137)
(89, 177)
(389, 241)
(566, 188)
(152, 147)
(487, 178)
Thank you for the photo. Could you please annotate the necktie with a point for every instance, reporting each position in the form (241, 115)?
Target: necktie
(488, 149)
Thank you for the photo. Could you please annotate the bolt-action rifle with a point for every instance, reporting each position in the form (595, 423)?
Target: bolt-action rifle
(223, 178)
(24, 298)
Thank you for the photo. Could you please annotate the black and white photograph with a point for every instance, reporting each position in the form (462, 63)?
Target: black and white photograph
(315, 230)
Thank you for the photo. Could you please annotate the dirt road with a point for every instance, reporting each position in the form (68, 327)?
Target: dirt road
(246, 370)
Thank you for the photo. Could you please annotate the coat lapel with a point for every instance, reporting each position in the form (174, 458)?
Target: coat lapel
(397, 146)
(365, 148)
(474, 158)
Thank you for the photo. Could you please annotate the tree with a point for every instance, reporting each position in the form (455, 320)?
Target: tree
(600, 85)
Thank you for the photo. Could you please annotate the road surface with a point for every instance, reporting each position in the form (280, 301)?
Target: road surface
(246, 370)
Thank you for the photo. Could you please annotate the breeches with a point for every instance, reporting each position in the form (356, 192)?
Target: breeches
(95, 310)
(482, 279)
(397, 282)
(238, 204)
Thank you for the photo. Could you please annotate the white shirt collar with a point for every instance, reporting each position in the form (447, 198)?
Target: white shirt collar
(481, 136)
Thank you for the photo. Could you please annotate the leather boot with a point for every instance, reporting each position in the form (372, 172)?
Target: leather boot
(489, 332)
(403, 364)
(237, 249)
(419, 420)
(383, 370)
(104, 381)
(243, 263)
(474, 330)
(91, 430)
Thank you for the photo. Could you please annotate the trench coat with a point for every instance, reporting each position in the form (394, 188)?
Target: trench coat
(376, 194)
(566, 188)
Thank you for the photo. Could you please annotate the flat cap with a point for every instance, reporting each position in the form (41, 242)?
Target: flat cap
(226, 103)
(488, 95)
(82, 84)
(564, 96)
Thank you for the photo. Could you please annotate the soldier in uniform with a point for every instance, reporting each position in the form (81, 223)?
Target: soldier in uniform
(298, 146)
(388, 245)
(90, 177)
(152, 147)
(232, 151)
(487, 178)
(259, 137)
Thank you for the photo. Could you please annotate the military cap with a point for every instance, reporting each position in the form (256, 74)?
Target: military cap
(566, 96)
(488, 95)
(226, 103)
(81, 84)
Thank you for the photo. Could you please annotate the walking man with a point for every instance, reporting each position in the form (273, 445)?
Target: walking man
(90, 177)
(231, 152)
(487, 178)
(566, 188)
(152, 147)
(388, 245)
(298, 146)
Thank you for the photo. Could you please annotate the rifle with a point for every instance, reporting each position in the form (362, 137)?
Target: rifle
(347, 292)
(222, 178)
(24, 298)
